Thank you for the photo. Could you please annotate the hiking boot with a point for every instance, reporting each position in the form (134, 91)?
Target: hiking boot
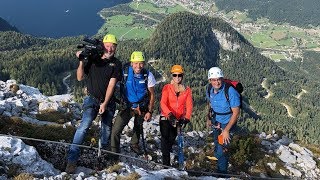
(135, 148)
(114, 159)
(71, 167)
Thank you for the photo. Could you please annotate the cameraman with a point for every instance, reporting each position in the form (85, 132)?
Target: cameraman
(102, 73)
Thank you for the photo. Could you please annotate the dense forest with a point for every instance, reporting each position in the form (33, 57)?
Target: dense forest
(295, 12)
(37, 62)
(190, 40)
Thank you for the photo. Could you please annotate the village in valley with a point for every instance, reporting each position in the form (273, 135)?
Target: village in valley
(276, 41)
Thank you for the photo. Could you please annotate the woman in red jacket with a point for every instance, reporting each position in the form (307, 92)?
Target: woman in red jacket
(176, 109)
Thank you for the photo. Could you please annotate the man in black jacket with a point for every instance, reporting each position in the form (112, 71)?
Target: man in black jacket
(102, 74)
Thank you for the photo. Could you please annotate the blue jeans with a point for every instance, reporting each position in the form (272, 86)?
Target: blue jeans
(90, 111)
(221, 151)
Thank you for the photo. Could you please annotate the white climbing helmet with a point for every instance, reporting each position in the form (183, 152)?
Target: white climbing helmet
(215, 72)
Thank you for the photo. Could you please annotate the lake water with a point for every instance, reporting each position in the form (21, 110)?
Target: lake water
(55, 18)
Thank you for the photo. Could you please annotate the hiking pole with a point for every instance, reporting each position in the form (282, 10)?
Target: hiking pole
(180, 146)
(98, 161)
(100, 133)
(143, 140)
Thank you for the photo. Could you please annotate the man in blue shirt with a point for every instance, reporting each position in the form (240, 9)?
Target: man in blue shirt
(224, 116)
(139, 96)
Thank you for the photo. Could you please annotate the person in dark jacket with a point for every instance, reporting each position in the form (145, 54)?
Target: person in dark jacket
(102, 74)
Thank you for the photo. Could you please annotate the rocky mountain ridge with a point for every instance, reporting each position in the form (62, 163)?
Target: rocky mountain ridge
(26, 102)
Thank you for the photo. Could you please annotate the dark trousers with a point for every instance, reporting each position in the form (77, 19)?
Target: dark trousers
(168, 138)
(120, 122)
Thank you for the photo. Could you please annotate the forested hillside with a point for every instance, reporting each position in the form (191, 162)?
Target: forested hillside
(295, 12)
(37, 62)
(187, 39)
(5, 26)
(195, 42)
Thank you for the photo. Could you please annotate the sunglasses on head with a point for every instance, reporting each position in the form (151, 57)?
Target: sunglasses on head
(175, 75)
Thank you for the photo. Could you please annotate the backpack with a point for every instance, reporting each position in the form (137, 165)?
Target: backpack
(121, 98)
(125, 75)
(235, 84)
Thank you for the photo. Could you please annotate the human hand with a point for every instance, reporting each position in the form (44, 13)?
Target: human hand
(184, 122)
(147, 116)
(172, 120)
(79, 55)
(225, 137)
(102, 108)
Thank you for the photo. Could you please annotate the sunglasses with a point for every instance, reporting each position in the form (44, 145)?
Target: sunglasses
(175, 75)
(216, 80)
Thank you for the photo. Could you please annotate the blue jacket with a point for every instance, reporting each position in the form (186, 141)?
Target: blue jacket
(136, 88)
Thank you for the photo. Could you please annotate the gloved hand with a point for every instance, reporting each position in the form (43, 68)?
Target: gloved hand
(184, 122)
(172, 120)
(79, 55)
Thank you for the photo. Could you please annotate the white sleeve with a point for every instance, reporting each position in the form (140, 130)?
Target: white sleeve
(151, 80)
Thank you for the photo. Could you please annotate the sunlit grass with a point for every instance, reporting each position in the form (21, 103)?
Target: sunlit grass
(120, 20)
(277, 56)
(147, 7)
(175, 9)
(131, 32)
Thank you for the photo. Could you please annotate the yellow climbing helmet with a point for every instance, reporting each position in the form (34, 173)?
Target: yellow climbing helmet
(110, 38)
(137, 56)
(177, 69)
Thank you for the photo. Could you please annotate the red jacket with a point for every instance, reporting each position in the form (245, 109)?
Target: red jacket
(180, 106)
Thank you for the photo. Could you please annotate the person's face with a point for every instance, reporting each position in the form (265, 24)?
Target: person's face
(177, 77)
(110, 50)
(216, 82)
(137, 66)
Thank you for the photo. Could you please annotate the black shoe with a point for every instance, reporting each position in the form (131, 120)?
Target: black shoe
(71, 167)
(135, 148)
(114, 159)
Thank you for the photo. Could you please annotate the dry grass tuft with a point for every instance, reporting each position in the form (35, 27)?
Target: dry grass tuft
(24, 176)
(131, 176)
(16, 126)
(115, 168)
(54, 116)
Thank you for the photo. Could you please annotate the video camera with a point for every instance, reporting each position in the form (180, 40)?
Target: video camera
(93, 49)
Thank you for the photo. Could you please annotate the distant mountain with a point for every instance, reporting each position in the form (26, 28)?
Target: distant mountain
(200, 42)
(295, 12)
(5, 26)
